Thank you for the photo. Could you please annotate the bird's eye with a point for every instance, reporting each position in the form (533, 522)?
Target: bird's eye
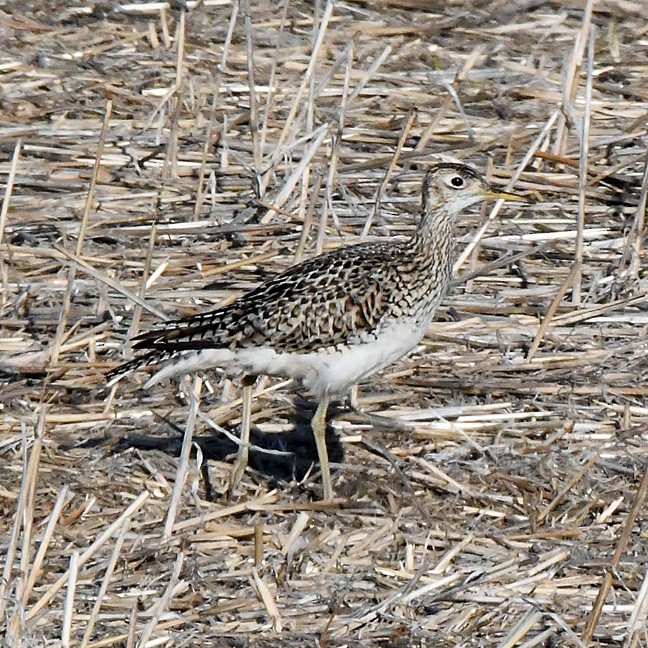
(457, 182)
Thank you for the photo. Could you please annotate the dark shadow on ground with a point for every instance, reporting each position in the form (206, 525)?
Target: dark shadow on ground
(297, 446)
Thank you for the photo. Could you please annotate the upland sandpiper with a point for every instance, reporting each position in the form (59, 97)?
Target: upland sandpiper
(331, 321)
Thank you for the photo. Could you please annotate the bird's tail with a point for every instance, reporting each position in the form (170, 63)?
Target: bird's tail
(152, 357)
(181, 341)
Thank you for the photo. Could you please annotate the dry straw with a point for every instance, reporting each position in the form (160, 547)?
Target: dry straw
(160, 158)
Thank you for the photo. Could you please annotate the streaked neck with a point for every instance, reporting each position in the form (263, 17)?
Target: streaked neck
(434, 235)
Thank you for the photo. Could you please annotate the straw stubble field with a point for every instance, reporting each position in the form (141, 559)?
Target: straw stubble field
(160, 159)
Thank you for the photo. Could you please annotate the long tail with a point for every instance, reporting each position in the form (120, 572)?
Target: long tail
(178, 340)
(153, 357)
(180, 357)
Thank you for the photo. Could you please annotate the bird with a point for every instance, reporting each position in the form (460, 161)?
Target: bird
(328, 322)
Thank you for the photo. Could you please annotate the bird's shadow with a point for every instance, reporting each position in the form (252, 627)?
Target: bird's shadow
(293, 453)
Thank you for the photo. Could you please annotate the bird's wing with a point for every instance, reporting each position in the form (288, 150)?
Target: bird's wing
(318, 303)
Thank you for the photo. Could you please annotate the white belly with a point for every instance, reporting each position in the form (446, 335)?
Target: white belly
(337, 371)
(330, 370)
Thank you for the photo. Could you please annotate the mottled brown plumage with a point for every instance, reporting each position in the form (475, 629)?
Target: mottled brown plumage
(336, 298)
(335, 319)
(326, 301)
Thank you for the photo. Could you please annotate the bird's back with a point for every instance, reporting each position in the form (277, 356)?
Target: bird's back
(333, 299)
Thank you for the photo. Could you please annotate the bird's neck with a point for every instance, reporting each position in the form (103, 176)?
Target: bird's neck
(428, 261)
(434, 237)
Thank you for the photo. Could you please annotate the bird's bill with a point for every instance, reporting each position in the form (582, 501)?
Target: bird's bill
(501, 195)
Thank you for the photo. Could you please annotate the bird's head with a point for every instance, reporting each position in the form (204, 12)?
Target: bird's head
(452, 187)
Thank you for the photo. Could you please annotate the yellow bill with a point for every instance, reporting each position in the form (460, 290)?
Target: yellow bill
(501, 195)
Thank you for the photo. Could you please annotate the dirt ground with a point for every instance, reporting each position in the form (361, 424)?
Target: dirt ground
(161, 158)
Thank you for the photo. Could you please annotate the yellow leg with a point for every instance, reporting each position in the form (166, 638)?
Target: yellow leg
(353, 398)
(318, 424)
(241, 461)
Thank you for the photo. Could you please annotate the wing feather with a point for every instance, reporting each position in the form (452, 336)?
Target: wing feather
(318, 303)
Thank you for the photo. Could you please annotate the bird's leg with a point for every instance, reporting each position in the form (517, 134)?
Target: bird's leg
(318, 423)
(241, 461)
(353, 398)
